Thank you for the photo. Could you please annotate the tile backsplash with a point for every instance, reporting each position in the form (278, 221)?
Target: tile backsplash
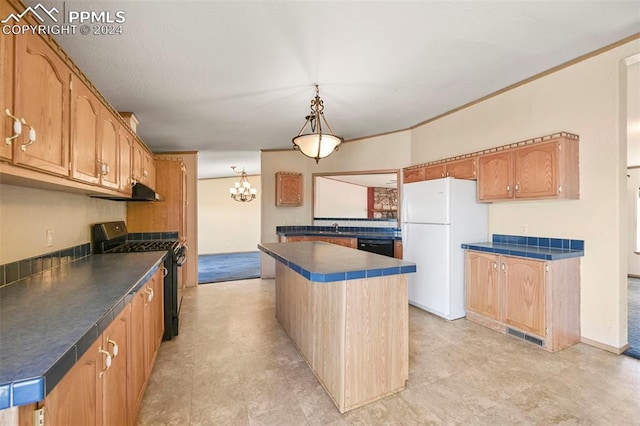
(15, 271)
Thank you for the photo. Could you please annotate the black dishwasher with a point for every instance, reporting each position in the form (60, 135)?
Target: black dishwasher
(383, 247)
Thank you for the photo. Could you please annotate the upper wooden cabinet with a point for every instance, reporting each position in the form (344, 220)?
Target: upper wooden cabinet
(6, 87)
(125, 151)
(436, 171)
(413, 175)
(42, 99)
(462, 169)
(144, 168)
(109, 151)
(540, 170)
(86, 128)
(288, 189)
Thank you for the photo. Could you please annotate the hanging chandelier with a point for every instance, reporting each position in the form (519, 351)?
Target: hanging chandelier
(316, 144)
(242, 190)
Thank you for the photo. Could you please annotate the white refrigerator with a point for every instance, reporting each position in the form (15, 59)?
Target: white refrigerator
(437, 217)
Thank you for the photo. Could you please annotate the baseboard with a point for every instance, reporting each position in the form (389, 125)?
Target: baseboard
(604, 347)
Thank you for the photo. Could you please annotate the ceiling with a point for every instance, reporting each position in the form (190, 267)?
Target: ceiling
(229, 78)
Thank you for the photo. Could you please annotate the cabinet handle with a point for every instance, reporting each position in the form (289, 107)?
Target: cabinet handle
(165, 271)
(495, 265)
(149, 294)
(115, 348)
(560, 188)
(107, 361)
(32, 137)
(17, 126)
(508, 188)
(504, 267)
(517, 187)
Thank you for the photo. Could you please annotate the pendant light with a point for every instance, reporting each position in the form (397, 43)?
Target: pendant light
(316, 144)
(242, 190)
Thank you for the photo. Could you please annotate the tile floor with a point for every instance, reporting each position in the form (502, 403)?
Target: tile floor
(233, 365)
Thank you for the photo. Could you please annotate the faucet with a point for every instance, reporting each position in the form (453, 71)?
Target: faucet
(335, 227)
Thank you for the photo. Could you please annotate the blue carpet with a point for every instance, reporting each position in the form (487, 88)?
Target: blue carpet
(634, 318)
(214, 268)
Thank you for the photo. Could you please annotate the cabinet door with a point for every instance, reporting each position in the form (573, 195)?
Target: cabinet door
(288, 189)
(434, 172)
(148, 170)
(158, 308)
(42, 99)
(85, 133)
(462, 169)
(115, 396)
(495, 176)
(137, 161)
(536, 171)
(413, 175)
(109, 155)
(6, 86)
(524, 294)
(483, 284)
(75, 399)
(125, 152)
(137, 365)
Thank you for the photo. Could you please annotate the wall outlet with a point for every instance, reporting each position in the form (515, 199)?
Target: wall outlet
(49, 234)
(524, 228)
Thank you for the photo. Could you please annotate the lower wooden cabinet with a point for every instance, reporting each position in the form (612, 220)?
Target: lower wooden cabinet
(538, 301)
(341, 241)
(106, 385)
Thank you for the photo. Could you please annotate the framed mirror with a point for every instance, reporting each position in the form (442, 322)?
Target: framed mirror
(371, 195)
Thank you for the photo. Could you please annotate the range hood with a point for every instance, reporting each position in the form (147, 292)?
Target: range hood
(139, 192)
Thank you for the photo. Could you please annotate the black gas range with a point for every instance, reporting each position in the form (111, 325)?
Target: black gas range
(113, 237)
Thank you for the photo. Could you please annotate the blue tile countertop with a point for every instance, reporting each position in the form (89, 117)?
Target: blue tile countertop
(324, 262)
(541, 248)
(343, 232)
(49, 320)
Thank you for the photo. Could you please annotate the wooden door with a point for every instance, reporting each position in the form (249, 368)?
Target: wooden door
(42, 99)
(137, 161)
(75, 399)
(536, 170)
(85, 133)
(6, 86)
(288, 189)
(482, 286)
(495, 176)
(462, 169)
(125, 152)
(148, 169)
(114, 380)
(434, 172)
(523, 301)
(413, 175)
(109, 155)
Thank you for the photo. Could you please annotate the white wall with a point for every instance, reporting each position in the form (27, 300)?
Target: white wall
(633, 161)
(339, 199)
(584, 99)
(225, 225)
(26, 214)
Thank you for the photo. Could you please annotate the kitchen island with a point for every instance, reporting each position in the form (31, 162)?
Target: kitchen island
(347, 312)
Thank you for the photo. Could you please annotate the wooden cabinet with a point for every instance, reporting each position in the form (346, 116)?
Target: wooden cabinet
(109, 151)
(462, 169)
(77, 398)
(540, 170)
(125, 152)
(85, 133)
(538, 301)
(436, 171)
(413, 175)
(143, 165)
(397, 249)
(106, 385)
(115, 399)
(340, 241)
(42, 99)
(288, 189)
(6, 87)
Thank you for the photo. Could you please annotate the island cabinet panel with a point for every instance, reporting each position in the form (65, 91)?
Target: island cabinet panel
(376, 345)
(77, 397)
(532, 299)
(85, 133)
(288, 189)
(42, 99)
(353, 333)
(6, 86)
